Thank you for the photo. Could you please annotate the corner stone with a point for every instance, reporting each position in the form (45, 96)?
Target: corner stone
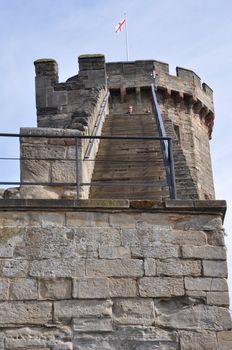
(199, 317)
(198, 341)
(225, 340)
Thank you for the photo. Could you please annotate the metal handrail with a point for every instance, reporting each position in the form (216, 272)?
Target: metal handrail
(96, 126)
(166, 147)
(78, 183)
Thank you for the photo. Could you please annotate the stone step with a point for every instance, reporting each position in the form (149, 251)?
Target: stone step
(126, 158)
(113, 175)
(126, 166)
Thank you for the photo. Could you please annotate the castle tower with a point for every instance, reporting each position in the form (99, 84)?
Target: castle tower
(114, 239)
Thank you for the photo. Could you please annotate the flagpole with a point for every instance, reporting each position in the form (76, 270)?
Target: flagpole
(127, 50)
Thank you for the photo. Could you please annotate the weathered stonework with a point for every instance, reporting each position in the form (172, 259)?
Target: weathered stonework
(112, 277)
(90, 269)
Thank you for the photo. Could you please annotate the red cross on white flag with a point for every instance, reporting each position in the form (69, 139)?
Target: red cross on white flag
(120, 25)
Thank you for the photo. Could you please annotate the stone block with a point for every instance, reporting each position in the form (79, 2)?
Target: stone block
(49, 242)
(64, 171)
(198, 318)
(157, 251)
(198, 222)
(133, 311)
(16, 219)
(114, 268)
(30, 312)
(4, 289)
(204, 252)
(153, 233)
(35, 171)
(68, 309)
(150, 267)
(206, 284)
(122, 220)
(122, 287)
(109, 252)
(213, 268)
(199, 294)
(39, 192)
(92, 324)
(23, 289)
(179, 267)
(225, 340)
(9, 238)
(52, 219)
(91, 288)
(216, 237)
(87, 219)
(39, 338)
(2, 341)
(218, 298)
(57, 268)
(219, 284)
(43, 152)
(13, 268)
(59, 288)
(161, 287)
(198, 341)
(95, 237)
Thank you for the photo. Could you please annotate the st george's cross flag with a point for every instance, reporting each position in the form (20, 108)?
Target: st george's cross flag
(120, 25)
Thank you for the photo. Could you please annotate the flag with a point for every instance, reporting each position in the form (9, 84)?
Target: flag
(120, 25)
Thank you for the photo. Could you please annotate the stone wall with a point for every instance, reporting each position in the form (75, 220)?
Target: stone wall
(47, 161)
(113, 275)
(191, 150)
(69, 105)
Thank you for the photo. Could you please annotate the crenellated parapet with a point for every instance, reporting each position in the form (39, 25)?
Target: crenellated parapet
(186, 86)
(70, 104)
(59, 103)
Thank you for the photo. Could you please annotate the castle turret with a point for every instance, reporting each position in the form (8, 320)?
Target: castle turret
(114, 239)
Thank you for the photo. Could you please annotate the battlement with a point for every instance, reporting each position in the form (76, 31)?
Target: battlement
(143, 72)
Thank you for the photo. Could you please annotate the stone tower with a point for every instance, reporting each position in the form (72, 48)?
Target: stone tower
(114, 239)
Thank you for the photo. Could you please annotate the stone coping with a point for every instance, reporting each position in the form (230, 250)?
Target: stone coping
(174, 205)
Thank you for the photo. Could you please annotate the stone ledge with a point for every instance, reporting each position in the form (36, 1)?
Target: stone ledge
(203, 206)
(208, 206)
(21, 204)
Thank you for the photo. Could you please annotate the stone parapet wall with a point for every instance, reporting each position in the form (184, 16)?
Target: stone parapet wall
(46, 159)
(142, 73)
(113, 275)
(71, 104)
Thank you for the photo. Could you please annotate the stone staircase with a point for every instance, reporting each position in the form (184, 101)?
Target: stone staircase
(129, 169)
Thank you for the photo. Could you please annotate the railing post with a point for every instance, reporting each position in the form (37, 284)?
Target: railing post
(77, 170)
(172, 188)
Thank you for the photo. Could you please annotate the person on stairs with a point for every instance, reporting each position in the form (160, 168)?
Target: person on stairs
(130, 110)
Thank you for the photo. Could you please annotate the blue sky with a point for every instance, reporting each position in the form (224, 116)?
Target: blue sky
(194, 34)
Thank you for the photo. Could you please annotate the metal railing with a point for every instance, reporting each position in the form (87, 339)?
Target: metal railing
(79, 159)
(96, 127)
(166, 147)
